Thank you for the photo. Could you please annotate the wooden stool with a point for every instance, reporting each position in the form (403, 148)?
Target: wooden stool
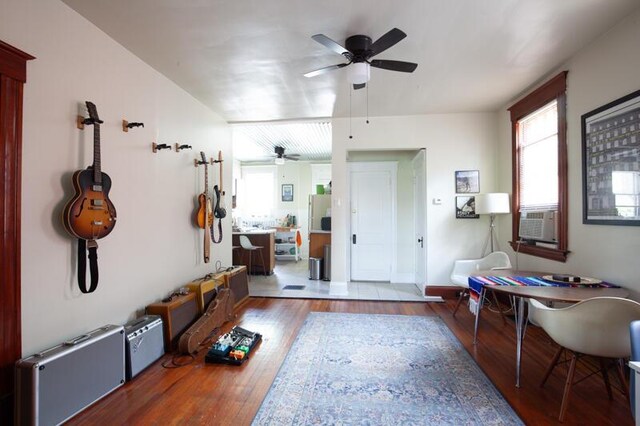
(250, 249)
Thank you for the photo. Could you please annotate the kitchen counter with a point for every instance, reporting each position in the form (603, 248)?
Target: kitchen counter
(264, 238)
(317, 231)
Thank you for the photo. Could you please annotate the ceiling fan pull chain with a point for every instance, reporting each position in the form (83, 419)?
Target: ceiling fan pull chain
(367, 104)
(350, 130)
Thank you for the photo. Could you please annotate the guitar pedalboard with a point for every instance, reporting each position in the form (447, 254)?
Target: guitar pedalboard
(233, 347)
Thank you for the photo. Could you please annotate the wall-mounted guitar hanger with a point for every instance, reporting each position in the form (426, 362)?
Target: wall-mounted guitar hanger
(181, 147)
(155, 147)
(126, 125)
(197, 162)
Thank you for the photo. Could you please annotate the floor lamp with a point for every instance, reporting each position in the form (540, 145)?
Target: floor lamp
(492, 204)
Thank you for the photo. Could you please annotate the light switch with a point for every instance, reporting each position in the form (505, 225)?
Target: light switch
(437, 201)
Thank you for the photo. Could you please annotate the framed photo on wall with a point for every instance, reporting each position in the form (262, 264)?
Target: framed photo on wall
(287, 192)
(466, 207)
(467, 181)
(611, 163)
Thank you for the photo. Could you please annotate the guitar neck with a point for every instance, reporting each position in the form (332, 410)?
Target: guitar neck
(97, 172)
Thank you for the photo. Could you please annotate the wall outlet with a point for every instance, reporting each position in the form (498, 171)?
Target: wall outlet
(437, 201)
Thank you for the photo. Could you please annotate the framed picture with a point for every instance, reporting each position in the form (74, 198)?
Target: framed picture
(287, 192)
(466, 207)
(611, 163)
(467, 181)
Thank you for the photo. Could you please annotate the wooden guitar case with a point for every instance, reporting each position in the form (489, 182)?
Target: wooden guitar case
(219, 311)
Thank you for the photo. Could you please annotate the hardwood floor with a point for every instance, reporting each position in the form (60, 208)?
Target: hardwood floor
(202, 393)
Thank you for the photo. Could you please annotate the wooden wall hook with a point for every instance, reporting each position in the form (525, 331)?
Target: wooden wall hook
(155, 147)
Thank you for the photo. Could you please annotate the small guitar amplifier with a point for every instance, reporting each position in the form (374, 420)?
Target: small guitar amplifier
(236, 280)
(143, 342)
(204, 288)
(177, 315)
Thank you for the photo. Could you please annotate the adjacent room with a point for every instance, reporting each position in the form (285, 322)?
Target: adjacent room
(339, 212)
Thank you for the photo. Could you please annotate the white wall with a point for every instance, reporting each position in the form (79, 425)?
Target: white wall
(604, 71)
(453, 142)
(154, 248)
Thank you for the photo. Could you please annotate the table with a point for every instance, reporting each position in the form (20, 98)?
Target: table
(521, 285)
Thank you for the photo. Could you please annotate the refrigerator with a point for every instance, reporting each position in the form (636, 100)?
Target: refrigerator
(319, 207)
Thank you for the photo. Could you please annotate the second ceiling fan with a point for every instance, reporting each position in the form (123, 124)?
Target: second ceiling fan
(359, 50)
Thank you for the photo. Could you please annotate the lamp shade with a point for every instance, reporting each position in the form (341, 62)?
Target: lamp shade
(359, 72)
(493, 203)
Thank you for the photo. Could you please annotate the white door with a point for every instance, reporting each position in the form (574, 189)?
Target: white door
(419, 218)
(372, 220)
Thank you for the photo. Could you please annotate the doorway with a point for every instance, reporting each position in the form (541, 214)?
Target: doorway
(373, 216)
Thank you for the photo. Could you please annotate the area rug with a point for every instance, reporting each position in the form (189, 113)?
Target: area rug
(357, 369)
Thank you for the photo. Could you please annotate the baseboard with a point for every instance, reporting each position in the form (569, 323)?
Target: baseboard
(444, 291)
(403, 278)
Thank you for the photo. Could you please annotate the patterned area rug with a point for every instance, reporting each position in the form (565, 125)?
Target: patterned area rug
(354, 369)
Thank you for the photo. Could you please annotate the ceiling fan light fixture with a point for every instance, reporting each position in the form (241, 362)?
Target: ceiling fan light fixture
(279, 161)
(359, 73)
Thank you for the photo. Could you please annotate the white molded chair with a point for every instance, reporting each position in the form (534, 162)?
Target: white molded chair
(463, 269)
(597, 327)
(246, 245)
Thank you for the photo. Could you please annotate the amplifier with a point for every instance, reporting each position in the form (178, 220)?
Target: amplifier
(235, 279)
(58, 383)
(204, 288)
(177, 315)
(143, 342)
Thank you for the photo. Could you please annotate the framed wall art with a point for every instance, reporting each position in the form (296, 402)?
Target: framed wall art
(287, 192)
(611, 163)
(466, 207)
(467, 181)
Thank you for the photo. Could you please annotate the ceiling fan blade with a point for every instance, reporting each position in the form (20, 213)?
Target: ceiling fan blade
(359, 86)
(332, 45)
(386, 41)
(290, 157)
(293, 155)
(324, 70)
(394, 65)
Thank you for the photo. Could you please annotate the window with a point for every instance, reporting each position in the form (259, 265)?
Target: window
(539, 153)
(256, 198)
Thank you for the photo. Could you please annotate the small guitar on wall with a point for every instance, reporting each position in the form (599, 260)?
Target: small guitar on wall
(204, 215)
(90, 214)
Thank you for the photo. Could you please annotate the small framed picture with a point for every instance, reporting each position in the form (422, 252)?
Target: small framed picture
(467, 181)
(287, 192)
(466, 207)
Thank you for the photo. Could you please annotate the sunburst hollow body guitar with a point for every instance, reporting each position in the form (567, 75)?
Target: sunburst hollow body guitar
(90, 214)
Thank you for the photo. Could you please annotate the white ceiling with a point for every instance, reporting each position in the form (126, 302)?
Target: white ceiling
(246, 59)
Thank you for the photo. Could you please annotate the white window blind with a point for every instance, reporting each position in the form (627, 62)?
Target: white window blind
(538, 151)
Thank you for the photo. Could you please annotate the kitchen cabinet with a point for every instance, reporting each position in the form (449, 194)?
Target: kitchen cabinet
(264, 239)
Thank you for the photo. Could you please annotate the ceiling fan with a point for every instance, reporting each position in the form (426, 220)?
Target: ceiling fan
(281, 156)
(358, 51)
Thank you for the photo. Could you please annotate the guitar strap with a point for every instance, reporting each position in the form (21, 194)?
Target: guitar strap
(82, 265)
(213, 234)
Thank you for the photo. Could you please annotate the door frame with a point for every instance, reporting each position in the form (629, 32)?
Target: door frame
(13, 76)
(422, 152)
(391, 166)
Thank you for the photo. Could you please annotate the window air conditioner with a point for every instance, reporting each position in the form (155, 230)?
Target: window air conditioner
(538, 226)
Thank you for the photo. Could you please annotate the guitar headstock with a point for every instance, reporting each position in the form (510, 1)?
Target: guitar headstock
(93, 113)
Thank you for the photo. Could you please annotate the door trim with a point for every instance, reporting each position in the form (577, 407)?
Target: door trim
(13, 75)
(423, 153)
(366, 166)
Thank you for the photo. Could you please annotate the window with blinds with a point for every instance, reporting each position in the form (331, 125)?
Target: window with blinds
(538, 154)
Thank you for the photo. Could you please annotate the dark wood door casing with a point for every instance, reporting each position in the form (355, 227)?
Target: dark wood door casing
(13, 71)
